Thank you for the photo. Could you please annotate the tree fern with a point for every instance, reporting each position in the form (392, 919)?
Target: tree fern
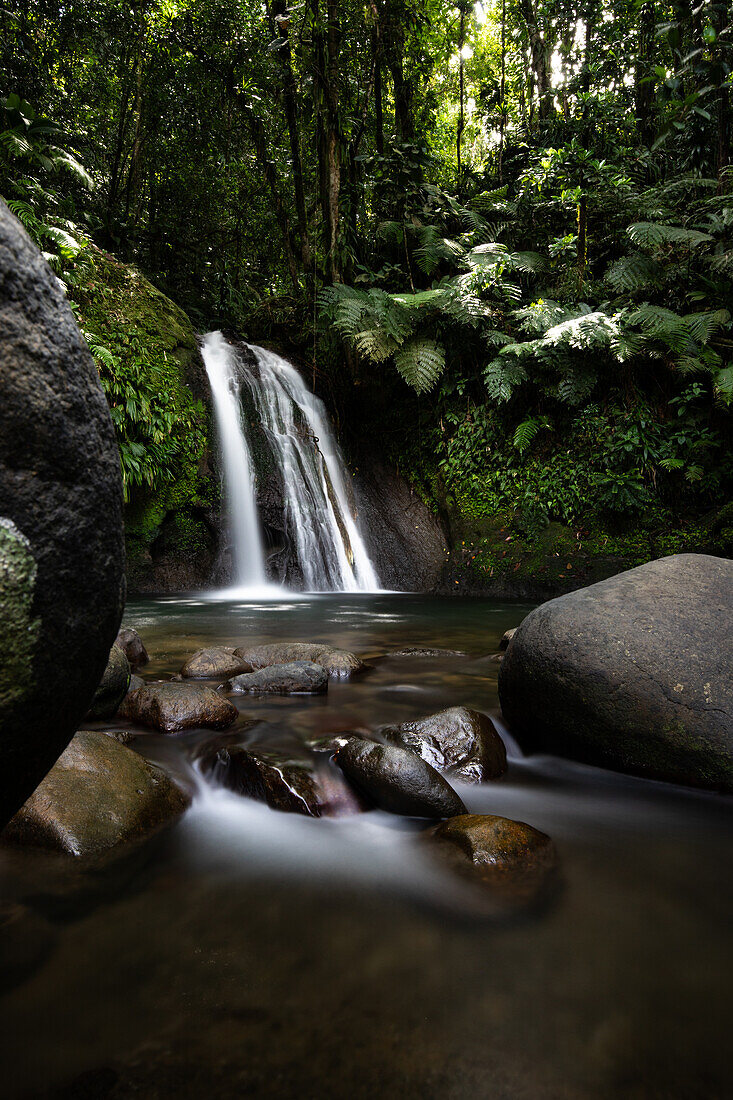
(654, 235)
(421, 362)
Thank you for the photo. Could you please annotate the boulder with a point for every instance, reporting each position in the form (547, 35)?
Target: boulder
(460, 741)
(506, 639)
(396, 779)
(296, 678)
(216, 663)
(172, 707)
(132, 646)
(633, 673)
(113, 686)
(61, 546)
(338, 663)
(515, 861)
(99, 796)
(295, 785)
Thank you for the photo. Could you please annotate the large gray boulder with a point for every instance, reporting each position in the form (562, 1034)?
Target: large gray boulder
(62, 553)
(634, 673)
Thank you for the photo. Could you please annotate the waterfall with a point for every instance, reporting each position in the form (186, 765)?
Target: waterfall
(317, 510)
(248, 552)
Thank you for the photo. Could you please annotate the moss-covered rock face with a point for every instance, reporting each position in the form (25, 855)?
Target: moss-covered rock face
(150, 365)
(20, 628)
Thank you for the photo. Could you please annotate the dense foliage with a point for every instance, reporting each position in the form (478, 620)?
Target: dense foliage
(523, 210)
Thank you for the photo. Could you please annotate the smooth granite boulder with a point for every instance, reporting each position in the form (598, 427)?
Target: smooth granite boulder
(397, 780)
(61, 546)
(634, 673)
(98, 796)
(215, 663)
(462, 742)
(338, 663)
(171, 707)
(296, 678)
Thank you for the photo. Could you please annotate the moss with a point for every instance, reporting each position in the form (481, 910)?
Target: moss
(150, 366)
(20, 629)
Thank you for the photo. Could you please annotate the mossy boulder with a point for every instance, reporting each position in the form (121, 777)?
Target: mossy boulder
(99, 796)
(61, 545)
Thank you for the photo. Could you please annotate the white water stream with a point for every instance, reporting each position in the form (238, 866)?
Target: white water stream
(318, 512)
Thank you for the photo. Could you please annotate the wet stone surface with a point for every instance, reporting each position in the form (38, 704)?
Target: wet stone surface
(397, 780)
(460, 741)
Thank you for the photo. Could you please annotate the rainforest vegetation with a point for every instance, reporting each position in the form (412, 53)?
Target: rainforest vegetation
(498, 238)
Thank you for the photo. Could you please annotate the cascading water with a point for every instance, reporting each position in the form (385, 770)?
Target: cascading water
(320, 522)
(248, 552)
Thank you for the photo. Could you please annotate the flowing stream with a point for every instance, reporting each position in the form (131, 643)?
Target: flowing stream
(254, 953)
(318, 511)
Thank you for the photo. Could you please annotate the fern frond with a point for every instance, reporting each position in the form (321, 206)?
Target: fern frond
(653, 235)
(421, 361)
(634, 273)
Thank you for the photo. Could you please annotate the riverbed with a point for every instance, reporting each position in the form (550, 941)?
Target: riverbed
(252, 953)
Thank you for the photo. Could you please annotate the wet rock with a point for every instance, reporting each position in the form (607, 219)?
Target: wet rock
(135, 683)
(338, 663)
(171, 707)
(416, 651)
(633, 673)
(132, 646)
(296, 678)
(331, 742)
(99, 796)
(113, 686)
(301, 786)
(506, 638)
(515, 861)
(460, 741)
(215, 663)
(396, 779)
(62, 552)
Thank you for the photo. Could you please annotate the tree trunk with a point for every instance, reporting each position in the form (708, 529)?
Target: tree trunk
(643, 87)
(281, 27)
(540, 53)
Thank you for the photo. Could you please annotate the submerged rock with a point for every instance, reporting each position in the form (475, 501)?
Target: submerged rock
(396, 779)
(633, 673)
(132, 646)
(99, 796)
(215, 663)
(62, 558)
(171, 707)
(514, 860)
(460, 741)
(416, 651)
(286, 783)
(296, 678)
(112, 687)
(338, 663)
